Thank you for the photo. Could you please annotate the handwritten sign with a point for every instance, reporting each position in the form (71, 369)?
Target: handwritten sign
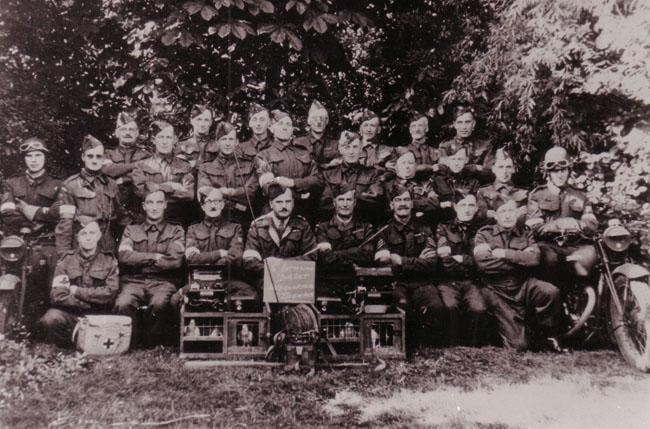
(292, 282)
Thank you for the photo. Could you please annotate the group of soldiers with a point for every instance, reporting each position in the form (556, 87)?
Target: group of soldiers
(463, 241)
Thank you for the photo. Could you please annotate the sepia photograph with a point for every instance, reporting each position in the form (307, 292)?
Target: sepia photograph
(325, 214)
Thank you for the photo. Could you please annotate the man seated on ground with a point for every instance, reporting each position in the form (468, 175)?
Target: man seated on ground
(504, 254)
(459, 284)
(349, 173)
(408, 246)
(555, 208)
(278, 234)
(85, 282)
(150, 254)
(322, 148)
(216, 242)
(235, 176)
(502, 188)
(343, 241)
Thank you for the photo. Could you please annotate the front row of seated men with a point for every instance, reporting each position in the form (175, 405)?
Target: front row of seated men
(437, 272)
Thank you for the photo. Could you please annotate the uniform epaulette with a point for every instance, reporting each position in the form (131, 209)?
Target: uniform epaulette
(262, 220)
(487, 228)
(71, 178)
(539, 188)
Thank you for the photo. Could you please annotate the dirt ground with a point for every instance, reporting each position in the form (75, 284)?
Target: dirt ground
(455, 388)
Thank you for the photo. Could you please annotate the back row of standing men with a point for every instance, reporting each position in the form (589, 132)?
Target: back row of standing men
(437, 215)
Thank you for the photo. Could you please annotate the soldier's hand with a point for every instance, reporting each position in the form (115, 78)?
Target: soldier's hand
(227, 192)
(446, 204)
(395, 259)
(499, 253)
(382, 256)
(458, 258)
(73, 289)
(483, 247)
(158, 256)
(191, 251)
(444, 251)
(223, 253)
(285, 182)
(266, 178)
(567, 224)
(324, 246)
(428, 254)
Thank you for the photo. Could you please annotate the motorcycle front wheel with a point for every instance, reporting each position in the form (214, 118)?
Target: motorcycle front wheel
(631, 327)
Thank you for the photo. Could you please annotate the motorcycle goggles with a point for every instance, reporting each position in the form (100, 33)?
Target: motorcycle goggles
(32, 145)
(562, 164)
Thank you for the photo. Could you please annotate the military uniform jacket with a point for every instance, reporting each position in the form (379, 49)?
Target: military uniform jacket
(196, 150)
(447, 184)
(375, 155)
(150, 173)
(289, 160)
(363, 179)
(95, 197)
(410, 241)
(480, 152)
(459, 237)
(419, 191)
(264, 241)
(40, 192)
(141, 242)
(211, 236)
(251, 147)
(521, 251)
(546, 206)
(226, 172)
(488, 197)
(424, 154)
(348, 242)
(120, 161)
(96, 276)
(322, 149)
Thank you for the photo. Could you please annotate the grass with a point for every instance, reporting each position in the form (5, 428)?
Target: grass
(153, 386)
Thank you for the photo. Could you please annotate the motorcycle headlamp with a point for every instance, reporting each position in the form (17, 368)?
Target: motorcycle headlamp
(12, 248)
(617, 238)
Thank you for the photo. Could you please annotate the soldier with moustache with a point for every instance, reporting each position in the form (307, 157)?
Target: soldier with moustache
(119, 162)
(349, 173)
(29, 201)
(150, 254)
(167, 173)
(343, 241)
(408, 246)
(322, 149)
(281, 233)
(235, 176)
(85, 282)
(200, 146)
(426, 156)
(215, 241)
(88, 195)
(525, 308)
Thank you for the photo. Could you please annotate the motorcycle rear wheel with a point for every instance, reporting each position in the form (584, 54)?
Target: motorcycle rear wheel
(631, 328)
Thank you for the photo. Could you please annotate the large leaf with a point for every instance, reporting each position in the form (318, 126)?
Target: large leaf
(278, 36)
(186, 39)
(266, 28)
(301, 7)
(329, 18)
(267, 6)
(294, 40)
(224, 30)
(169, 37)
(238, 31)
(193, 7)
(290, 4)
(319, 25)
(208, 12)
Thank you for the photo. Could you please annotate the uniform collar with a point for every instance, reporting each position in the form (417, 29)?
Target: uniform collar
(281, 145)
(498, 186)
(399, 225)
(149, 226)
(88, 256)
(212, 222)
(164, 158)
(341, 225)
(91, 177)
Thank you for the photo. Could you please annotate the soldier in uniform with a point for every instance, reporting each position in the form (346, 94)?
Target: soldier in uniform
(165, 172)
(278, 234)
(479, 152)
(85, 282)
(120, 162)
(289, 165)
(200, 147)
(216, 241)
(459, 286)
(343, 241)
(28, 201)
(504, 254)
(409, 247)
(259, 121)
(235, 176)
(151, 255)
(502, 188)
(349, 173)
(373, 153)
(406, 175)
(322, 149)
(426, 156)
(88, 195)
(557, 207)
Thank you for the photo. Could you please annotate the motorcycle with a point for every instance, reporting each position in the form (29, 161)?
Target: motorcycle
(20, 256)
(616, 304)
